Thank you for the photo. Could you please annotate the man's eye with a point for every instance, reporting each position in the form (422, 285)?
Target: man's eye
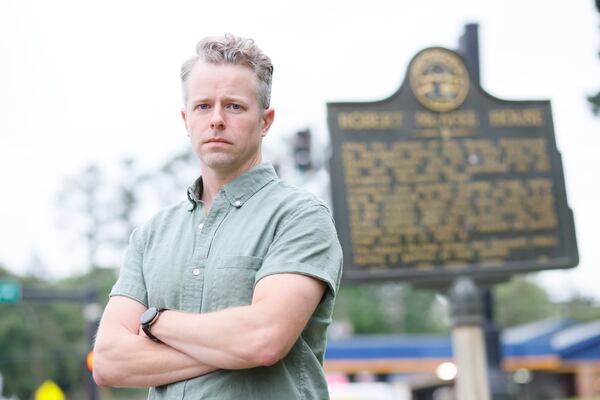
(202, 106)
(235, 106)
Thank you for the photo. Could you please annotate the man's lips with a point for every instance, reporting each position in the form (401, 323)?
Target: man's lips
(217, 140)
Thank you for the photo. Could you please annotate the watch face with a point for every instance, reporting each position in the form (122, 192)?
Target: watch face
(148, 316)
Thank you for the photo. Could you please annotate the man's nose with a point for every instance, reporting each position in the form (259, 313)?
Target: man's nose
(217, 121)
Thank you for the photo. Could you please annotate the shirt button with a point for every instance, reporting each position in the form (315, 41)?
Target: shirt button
(196, 271)
(237, 203)
(200, 226)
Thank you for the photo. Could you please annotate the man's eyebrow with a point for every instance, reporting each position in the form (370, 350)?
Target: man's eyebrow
(234, 98)
(199, 99)
(231, 97)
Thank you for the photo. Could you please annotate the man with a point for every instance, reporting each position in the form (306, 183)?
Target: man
(235, 286)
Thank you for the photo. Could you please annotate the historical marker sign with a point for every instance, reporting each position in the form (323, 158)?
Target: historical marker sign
(443, 179)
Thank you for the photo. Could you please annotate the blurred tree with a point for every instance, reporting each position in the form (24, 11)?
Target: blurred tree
(101, 212)
(175, 176)
(423, 312)
(47, 340)
(80, 201)
(36, 343)
(361, 307)
(104, 212)
(595, 102)
(580, 308)
(17, 347)
(521, 301)
(125, 205)
(390, 308)
(595, 99)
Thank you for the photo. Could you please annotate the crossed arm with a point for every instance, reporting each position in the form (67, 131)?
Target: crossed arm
(259, 334)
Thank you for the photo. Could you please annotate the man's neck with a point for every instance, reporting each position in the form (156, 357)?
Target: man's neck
(214, 180)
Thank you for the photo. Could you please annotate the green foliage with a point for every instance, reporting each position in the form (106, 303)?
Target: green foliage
(389, 308)
(17, 351)
(34, 347)
(521, 301)
(360, 306)
(423, 313)
(42, 340)
(580, 308)
(400, 308)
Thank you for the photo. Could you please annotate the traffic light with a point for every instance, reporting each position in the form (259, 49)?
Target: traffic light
(302, 153)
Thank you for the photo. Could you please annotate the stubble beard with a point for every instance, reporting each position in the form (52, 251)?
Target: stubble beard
(225, 162)
(218, 161)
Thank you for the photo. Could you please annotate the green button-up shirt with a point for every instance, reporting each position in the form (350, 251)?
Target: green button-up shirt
(257, 226)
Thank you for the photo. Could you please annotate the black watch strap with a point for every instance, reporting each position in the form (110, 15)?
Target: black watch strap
(147, 325)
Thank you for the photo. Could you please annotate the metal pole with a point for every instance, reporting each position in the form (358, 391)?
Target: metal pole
(468, 46)
(467, 341)
(91, 314)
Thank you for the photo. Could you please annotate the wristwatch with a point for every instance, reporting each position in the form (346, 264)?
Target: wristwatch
(148, 318)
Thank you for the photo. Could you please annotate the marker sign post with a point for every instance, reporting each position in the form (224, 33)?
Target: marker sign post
(446, 186)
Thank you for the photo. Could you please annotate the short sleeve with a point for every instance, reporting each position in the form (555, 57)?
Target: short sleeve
(306, 243)
(131, 277)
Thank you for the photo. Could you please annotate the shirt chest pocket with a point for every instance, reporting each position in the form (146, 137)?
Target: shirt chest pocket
(233, 281)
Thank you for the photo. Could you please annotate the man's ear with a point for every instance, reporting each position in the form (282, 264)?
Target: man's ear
(184, 117)
(267, 119)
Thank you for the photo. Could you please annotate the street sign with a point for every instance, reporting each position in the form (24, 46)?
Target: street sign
(10, 291)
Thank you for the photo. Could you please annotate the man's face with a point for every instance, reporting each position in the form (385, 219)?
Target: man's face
(223, 117)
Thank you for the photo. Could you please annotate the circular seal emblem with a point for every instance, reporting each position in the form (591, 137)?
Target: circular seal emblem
(439, 79)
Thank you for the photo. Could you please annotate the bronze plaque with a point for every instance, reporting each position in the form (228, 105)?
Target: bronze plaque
(443, 179)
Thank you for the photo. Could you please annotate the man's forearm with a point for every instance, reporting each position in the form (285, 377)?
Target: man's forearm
(234, 338)
(259, 334)
(135, 361)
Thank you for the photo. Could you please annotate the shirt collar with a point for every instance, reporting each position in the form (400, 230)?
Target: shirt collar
(194, 193)
(240, 189)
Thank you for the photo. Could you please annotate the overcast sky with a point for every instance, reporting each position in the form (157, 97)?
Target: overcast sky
(94, 81)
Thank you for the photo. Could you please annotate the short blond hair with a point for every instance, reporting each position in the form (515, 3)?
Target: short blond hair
(230, 49)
